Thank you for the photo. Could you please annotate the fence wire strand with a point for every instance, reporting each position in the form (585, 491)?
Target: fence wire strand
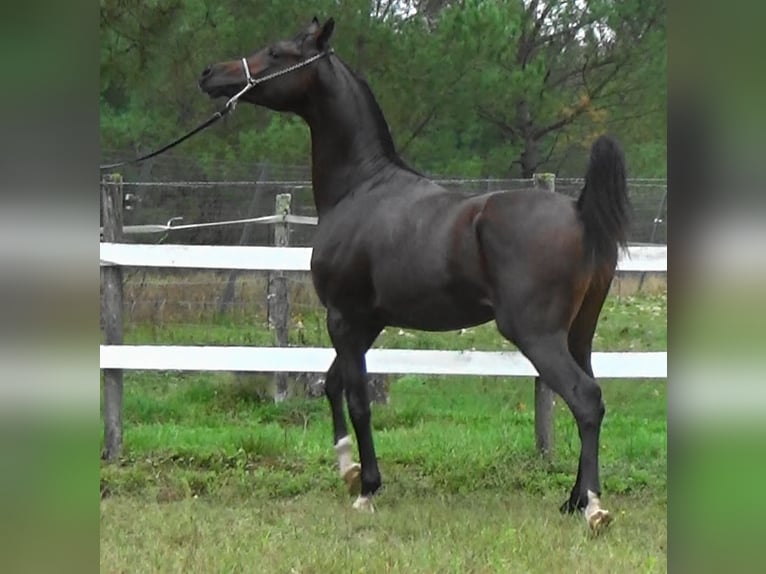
(226, 211)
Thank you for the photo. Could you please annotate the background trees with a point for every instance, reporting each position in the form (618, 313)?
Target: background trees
(498, 88)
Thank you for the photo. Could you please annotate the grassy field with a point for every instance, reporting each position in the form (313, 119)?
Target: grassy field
(215, 480)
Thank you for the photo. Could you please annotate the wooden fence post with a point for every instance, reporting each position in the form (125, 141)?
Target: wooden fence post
(278, 294)
(111, 315)
(543, 393)
(229, 292)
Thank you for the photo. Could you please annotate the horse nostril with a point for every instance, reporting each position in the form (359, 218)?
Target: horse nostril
(207, 71)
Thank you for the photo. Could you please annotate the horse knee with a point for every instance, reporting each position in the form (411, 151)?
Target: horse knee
(359, 411)
(333, 384)
(358, 404)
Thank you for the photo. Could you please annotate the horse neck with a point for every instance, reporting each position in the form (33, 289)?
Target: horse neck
(350, 140)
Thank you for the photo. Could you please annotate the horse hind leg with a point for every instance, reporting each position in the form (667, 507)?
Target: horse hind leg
(580, 340)
(551, 357)
(539, 326)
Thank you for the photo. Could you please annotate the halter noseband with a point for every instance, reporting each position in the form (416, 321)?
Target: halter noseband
(246, 67)
(252, 82)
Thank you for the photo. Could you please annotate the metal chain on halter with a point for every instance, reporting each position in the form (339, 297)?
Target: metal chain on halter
(227, 108)
(252, 82)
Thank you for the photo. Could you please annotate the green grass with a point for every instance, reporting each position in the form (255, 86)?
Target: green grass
(634, 323)
(314, 533)
(216, 480)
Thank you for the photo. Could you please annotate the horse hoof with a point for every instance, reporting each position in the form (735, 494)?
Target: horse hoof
(353, 478)
(364, 504)
(598, 518)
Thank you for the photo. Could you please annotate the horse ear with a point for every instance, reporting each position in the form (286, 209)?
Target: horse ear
(313, 26)
(325, 33)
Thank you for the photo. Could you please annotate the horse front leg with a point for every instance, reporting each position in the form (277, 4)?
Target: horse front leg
(349, 373)
(359, 409)
(350, 471)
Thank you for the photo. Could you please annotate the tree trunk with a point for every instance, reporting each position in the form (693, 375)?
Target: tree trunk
(530, 155)
(227, 299)
(530, 158)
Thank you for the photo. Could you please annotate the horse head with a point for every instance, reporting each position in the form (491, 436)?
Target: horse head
(278, 91)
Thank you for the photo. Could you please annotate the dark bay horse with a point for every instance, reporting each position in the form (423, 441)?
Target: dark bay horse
(393, 248)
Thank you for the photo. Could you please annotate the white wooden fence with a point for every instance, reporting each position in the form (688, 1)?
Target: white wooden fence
(116, 357)
(271, 359)
(649, 258)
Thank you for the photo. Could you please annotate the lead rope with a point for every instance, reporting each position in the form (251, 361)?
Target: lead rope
(227, 108)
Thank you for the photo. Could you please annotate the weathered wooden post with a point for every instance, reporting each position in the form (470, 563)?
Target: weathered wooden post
(278, 293)
(111, 315)
(229, 291)
(543, 393)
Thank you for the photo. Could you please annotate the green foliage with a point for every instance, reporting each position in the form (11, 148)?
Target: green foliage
(469, 88)
(285, 138)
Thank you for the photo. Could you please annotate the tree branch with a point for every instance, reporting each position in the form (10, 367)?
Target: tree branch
(541, 19)
(419, 128)
(430, 115)
(550, 152)
(558, 124)
(387, 10)
(581, 71)
(583, 105)
(636, 116)
(490, 117)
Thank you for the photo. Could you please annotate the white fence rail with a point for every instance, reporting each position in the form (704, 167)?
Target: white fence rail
(400, 361)
(648, 258)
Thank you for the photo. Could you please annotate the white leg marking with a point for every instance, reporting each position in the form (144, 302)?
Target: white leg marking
(350, 472)
(597, 517)
(343, 450)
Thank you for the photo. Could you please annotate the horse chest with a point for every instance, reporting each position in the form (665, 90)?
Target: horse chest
(341, 277)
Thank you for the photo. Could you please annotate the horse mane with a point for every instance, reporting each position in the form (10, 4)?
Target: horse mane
(381, 125)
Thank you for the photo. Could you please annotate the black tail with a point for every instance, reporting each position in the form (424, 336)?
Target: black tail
(603, 202)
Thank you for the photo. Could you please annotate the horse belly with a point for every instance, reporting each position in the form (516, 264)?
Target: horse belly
(434, 281)
(437, 309)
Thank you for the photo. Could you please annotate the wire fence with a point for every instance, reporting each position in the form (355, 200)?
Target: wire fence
(188, 203)
(161, 199)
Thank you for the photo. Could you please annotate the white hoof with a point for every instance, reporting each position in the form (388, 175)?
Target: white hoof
(364, 504)
(596, 517)
(352, 476)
